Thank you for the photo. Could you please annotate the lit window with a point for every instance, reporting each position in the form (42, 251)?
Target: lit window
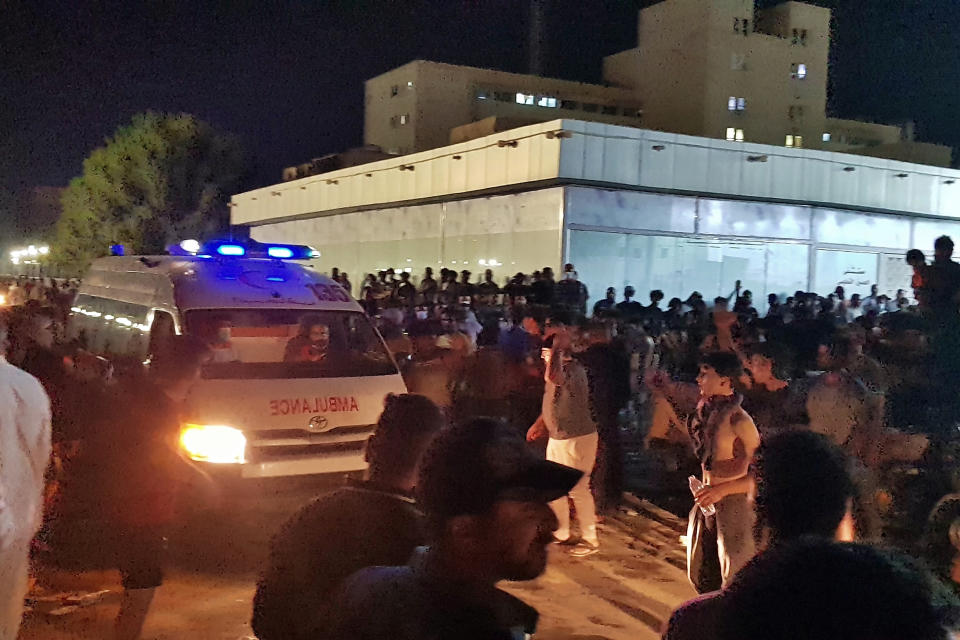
(546, 101)
(826, 137)
(789, 141)
(403, 119)
(731, 104)
(731, 134)
(524, 98)
(409, 84)
(482, 95)
(798, 142)
(741, 104)
(801, 70)
(739, 136)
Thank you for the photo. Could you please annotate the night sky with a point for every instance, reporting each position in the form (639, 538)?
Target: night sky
(287, 77)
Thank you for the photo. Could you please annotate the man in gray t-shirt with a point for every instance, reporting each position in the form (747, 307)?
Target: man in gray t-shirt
(567, 419)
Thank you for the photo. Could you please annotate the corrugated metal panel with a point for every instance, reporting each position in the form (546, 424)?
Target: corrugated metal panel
(691, 170)
(871, 182)
(757, 175)
(621, 156)
(724, 168)
(657, 157)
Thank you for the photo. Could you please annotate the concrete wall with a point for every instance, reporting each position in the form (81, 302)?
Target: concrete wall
(910, 151)
(382, 108)
(670, 68)
(693, 56)
(846, 134)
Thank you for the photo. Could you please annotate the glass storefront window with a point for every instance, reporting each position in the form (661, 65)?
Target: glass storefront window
(853, 270)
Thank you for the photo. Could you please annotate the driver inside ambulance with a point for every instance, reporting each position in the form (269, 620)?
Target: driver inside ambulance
(311, 342)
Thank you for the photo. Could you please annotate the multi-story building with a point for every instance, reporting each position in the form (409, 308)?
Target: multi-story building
(711, 68)
(723, 69)
(415, 107)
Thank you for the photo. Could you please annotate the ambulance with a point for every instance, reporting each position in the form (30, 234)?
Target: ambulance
(298, 374)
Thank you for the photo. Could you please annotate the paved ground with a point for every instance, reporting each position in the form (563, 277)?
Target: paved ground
(625, 591)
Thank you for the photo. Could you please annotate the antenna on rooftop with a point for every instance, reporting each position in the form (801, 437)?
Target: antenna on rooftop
(536, 37)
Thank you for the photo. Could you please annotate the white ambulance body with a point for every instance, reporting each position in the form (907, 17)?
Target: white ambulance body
(256, 409)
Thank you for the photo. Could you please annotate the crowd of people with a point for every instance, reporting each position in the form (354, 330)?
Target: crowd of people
(791, 426)
(865, 379)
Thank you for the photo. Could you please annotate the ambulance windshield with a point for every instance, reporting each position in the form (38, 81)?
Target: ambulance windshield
(289, 343)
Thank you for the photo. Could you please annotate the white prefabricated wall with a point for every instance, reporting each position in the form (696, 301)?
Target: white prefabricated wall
(511, 233)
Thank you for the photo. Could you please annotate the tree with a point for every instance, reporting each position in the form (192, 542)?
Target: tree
(159, 180)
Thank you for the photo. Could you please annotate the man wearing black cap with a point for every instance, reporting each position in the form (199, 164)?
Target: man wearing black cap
(485, 495)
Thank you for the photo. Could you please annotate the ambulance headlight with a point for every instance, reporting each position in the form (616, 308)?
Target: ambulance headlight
(214, 443)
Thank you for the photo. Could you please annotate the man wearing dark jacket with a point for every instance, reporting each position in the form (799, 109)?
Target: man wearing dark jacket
(368, 524)
(486, 498)
(137, 495)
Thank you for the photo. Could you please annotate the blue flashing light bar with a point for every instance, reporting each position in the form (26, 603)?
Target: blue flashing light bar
(253, 249)
(116, 250)
(282, 253)
(231, 250)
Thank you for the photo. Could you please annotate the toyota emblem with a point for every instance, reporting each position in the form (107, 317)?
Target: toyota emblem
(317, 424)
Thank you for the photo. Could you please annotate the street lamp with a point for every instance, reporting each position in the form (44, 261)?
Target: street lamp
(44, 250)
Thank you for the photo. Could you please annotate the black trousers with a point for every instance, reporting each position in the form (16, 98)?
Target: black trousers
(607, 479)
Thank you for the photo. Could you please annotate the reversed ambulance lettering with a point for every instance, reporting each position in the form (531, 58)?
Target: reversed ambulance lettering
(332, 404)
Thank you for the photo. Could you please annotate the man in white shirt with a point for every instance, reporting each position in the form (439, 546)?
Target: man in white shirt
(24, 453)
(568, 419)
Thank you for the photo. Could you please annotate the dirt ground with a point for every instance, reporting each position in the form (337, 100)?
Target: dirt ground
(626, 591)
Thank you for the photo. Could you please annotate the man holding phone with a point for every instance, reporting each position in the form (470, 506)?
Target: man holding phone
(568, 421)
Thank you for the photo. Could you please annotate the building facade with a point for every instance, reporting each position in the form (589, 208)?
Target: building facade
(415, 107)
(626, 206)
(724, 69)
(717, 69)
